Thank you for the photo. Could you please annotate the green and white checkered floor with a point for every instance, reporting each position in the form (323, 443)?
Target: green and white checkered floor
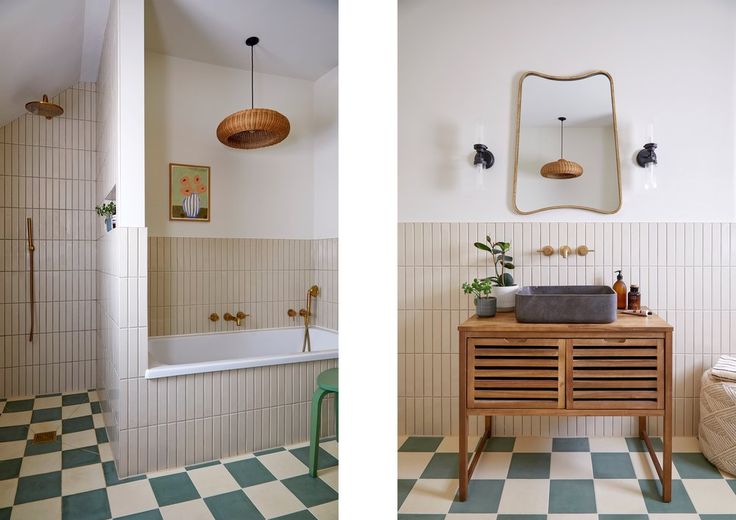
(536, 478)
(75, 478)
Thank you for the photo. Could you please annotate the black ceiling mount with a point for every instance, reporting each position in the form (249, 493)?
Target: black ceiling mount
(251, 41)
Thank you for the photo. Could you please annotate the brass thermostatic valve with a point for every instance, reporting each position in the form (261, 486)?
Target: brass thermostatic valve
(214, 317)
(584, 250)
(547, 250)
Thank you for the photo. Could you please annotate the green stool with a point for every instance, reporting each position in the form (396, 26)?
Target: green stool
(326, 384)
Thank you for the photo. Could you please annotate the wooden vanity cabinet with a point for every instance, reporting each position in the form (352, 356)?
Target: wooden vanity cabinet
(622, 368)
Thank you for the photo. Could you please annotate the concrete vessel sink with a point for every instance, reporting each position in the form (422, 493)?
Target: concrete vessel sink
(566, 304)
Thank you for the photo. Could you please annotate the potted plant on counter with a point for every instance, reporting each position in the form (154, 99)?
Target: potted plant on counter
(107, 211)
(505, 287)
(485, 304)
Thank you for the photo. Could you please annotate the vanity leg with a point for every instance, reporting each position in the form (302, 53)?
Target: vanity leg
(463, 458)
(667, 439)
(642, 427)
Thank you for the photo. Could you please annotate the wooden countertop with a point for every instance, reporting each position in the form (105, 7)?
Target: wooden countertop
(506, 322)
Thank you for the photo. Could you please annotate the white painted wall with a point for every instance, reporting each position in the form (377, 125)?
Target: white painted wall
(672, 62)
(325, 155)
(263, 193)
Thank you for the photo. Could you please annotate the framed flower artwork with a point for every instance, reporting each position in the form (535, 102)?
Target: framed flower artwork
(189, 192)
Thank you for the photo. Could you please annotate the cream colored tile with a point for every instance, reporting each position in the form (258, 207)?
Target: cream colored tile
(130, 498)
(282, 464)
(608, 444)
(47, 402)
(79, 439)
(430, 496)
(12, 450)
(711, 496)
(412, 464)
(98, 420)
(191, 510)
(49, 509)
(571, 465)
(36, 464)
(533, 445)
(213, 480)
(105, 452)
(326, 511)
(330, 476)
(69, 412)
(661, 516)
(82, 478)
(643, 467)
(15, 418)
(452, 444)
(525, 496)
(273, 499)
(619, 496)
(466, 516)
(685, 445)
(493, 465)
(570, 517)
(7, 492)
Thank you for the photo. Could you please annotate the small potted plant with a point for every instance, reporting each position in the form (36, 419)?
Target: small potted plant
(107, 211)
(505, 287)
(485, 304)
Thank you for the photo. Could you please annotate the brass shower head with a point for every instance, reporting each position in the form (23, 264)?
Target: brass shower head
(313, 291)
(44, 108)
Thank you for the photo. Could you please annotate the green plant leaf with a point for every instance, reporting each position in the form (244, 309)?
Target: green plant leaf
(507, 280)
(508, 265)
(481, 245)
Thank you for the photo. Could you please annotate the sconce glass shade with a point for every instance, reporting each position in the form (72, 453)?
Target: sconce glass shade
(561, 169)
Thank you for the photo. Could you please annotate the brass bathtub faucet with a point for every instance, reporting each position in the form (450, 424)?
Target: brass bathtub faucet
(238, 318)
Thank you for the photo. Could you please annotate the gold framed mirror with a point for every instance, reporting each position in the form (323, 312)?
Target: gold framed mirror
(567, 151)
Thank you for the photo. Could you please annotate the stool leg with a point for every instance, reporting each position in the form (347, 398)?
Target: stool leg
(337, 435)
(317, 397)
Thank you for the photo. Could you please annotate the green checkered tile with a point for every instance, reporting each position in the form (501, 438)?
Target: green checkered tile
(636, 444)
(421, 444)
(22, 405)
(170, 492)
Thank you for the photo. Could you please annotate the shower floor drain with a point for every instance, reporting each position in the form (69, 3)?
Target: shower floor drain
(42, 437)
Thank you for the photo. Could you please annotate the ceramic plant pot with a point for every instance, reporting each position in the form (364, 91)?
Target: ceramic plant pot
(485, 307)
(506, 297)
(190, 205)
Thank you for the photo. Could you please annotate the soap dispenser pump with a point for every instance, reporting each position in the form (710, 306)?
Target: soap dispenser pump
(619, 288)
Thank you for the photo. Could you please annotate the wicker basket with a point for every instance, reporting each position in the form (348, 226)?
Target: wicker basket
(561, 169)
(717, 430)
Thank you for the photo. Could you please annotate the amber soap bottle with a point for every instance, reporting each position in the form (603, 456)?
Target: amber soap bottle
(634, 298)
(619, 288)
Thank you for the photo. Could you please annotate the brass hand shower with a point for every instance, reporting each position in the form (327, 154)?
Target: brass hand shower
(306, 313)
(31, 249)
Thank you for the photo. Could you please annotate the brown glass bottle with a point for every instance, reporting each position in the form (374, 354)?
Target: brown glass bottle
(634, 298)
(620, 288)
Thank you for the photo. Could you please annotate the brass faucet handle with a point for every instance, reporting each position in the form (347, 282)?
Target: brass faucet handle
(584, 250)
(304, 312)
(291, 313)
(565, 251)
(214, 316)
(228, 317)
(241, 315)
(547, 250)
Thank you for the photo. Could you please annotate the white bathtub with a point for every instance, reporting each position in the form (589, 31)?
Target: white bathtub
(197, 353)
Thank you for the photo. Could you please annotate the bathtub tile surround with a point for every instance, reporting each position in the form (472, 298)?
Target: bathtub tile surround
(686, 271)
(555, 478)
(47, 172)
(75, 477)
(190, 278)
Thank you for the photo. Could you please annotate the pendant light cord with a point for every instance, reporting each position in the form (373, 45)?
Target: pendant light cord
(251, 77)
(562, 136)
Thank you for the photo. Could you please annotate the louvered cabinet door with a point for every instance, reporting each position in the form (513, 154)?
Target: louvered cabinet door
(616, 374)
(515, 373)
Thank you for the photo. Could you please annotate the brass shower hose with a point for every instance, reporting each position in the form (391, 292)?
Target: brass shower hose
(31, 249)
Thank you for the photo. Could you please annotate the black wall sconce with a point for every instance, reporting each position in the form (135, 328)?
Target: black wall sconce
(483, 156)
(647, 155)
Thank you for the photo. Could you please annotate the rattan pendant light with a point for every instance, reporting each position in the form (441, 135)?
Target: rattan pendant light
(253, 127)
(561, 168)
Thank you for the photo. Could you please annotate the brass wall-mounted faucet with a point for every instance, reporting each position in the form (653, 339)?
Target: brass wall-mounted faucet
(238, 318)
(306, 314)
